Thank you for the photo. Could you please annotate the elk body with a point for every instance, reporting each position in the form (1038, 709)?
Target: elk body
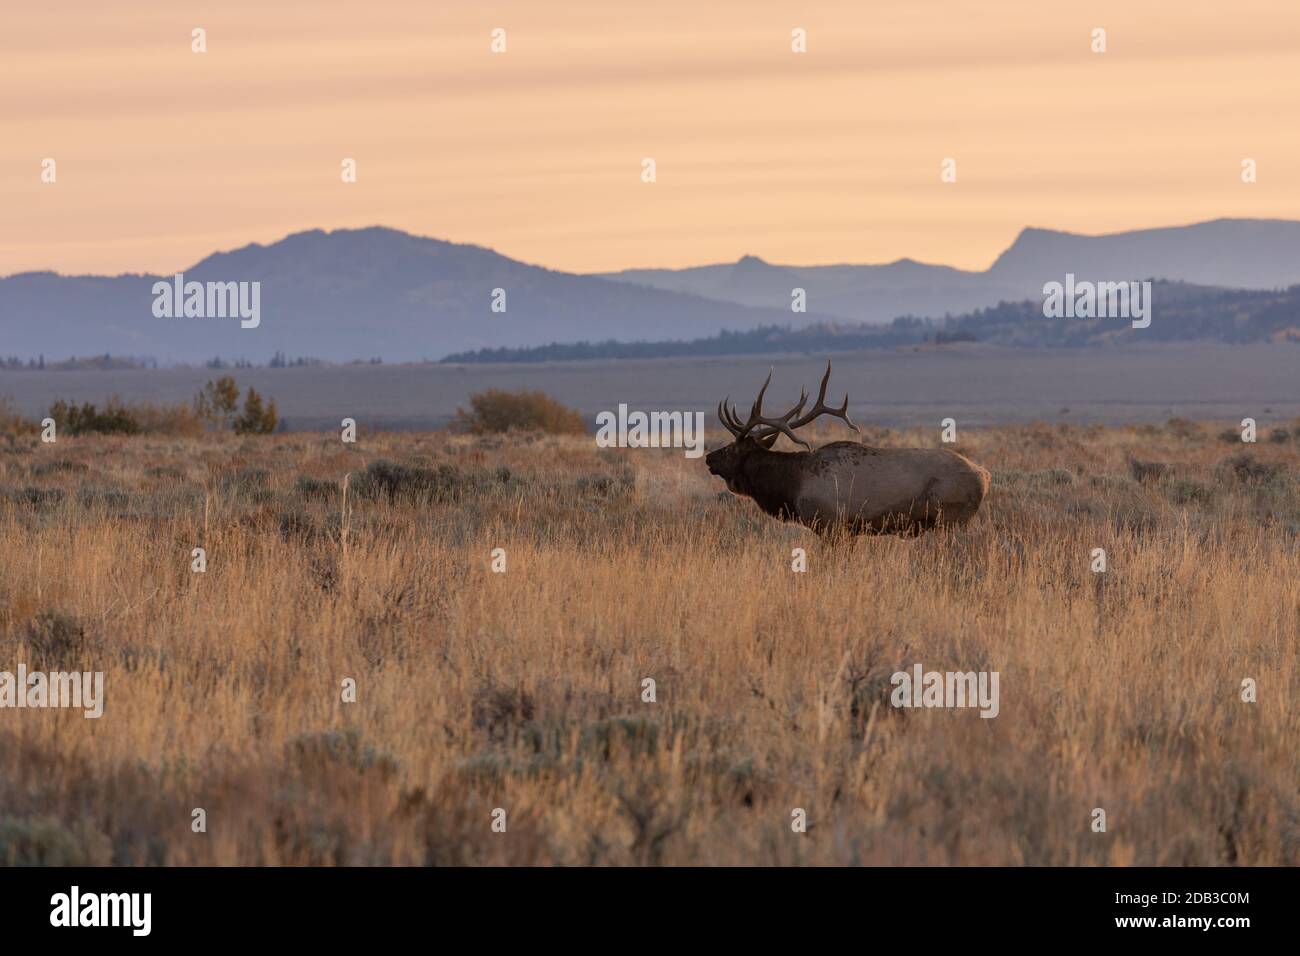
(844, 486)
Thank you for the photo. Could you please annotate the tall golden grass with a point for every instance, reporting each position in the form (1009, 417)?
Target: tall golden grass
(523, 690)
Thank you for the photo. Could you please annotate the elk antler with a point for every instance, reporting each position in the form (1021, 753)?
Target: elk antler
(787, 423)
(821, 408)
(731, 419)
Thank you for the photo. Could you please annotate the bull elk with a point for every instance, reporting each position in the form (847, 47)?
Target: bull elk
(845, 485)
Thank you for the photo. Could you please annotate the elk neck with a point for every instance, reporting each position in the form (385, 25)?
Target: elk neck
(772, 479)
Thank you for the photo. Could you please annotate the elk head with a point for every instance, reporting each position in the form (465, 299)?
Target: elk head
(757, 435)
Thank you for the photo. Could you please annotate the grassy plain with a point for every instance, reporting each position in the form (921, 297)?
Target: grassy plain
(522, 690)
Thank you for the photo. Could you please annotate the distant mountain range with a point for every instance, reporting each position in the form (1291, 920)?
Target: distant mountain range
(862, 293)
(378, 292)
(350, 293)
(1231, 253)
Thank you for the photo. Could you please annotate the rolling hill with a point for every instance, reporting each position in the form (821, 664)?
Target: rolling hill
(1181, 312)
(352, 293)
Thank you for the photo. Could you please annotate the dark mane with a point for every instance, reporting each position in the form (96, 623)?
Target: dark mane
(773, 481)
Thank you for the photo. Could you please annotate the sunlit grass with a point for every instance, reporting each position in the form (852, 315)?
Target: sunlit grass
(523, 690)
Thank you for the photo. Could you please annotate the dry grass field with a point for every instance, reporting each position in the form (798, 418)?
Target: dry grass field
(522, 690)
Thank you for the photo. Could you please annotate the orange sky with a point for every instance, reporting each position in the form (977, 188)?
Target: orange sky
(165, 155)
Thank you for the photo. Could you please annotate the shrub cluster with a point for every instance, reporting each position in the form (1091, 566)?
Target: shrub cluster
(74, 419)
(119, 418)
(12, 423)
(500, 411)
(218, 404)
